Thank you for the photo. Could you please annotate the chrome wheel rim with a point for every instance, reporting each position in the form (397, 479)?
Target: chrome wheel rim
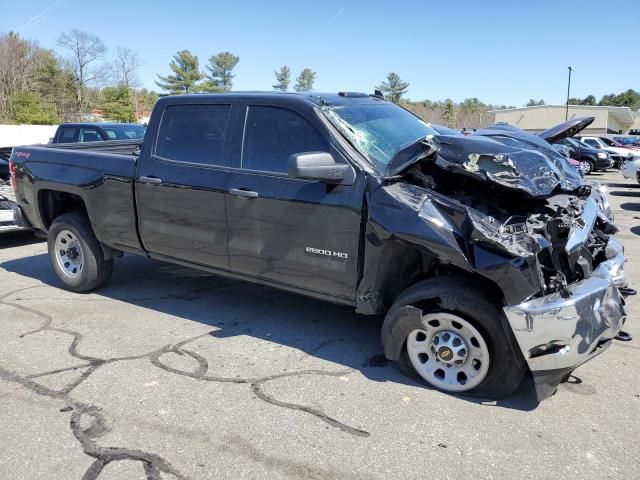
(585, 167)
(69, 254)
(448, 352)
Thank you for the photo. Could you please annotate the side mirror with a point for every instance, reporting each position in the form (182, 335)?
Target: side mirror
(317, 166)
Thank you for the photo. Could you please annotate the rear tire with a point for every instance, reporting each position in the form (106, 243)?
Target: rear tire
(454, 301)
(75, 253)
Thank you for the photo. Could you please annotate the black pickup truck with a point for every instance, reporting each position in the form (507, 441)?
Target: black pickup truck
(488, 253)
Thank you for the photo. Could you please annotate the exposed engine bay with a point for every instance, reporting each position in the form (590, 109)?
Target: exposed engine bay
(567, 232)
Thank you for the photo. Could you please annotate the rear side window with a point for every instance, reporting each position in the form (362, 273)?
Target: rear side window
(67, 134)
(89, 135)
(272, 134)
(193, 133)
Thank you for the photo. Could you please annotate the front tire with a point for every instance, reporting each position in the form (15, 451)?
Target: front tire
(75, 253)
(586, 166)
(459, 345)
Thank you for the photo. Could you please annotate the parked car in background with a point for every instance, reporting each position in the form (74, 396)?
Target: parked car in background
(97, 132)
(589, 159)
(631, 169)
(608, 145)
(565, 151)
(627, 141)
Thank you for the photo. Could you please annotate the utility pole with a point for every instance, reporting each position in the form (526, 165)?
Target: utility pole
(566, 113)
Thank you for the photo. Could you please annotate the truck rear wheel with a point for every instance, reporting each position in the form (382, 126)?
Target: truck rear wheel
(75, 253)
(457, 344)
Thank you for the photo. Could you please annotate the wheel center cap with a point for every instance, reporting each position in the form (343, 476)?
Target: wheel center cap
(72, 253)
(445, 354)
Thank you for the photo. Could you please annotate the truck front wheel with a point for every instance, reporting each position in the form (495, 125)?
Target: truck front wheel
(75, 253)
(454, 341)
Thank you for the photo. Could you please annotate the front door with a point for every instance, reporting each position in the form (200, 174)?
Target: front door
(181, 185)
(297, 232)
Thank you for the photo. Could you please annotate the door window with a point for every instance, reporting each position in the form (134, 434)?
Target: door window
(272, 134)
(67, 135)
(89, 135)
(193, 133)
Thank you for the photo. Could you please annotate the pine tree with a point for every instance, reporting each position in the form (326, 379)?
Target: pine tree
(393, 88)
(304, 82)
(186, 74)
(283, 78)
(117, 104)
(449, 113)
(221, 66)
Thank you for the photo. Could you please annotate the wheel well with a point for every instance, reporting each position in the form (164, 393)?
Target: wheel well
(54, 203)
(402, 266)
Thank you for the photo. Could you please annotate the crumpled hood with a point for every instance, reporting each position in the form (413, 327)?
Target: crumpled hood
(509, 157)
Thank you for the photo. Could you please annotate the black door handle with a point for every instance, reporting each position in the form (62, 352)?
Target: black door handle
(243, 193)
(151, 180)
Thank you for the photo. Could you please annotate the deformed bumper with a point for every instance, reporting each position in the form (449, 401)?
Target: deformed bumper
(558, 332)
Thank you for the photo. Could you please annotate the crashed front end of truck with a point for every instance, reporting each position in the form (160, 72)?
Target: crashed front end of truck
(503, 205)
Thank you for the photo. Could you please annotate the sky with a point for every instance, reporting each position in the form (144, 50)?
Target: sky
(503, 52)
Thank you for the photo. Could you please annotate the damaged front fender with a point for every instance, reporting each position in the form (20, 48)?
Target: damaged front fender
(431, 232)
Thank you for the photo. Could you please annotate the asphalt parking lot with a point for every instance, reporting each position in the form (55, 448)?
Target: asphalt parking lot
(172, 373)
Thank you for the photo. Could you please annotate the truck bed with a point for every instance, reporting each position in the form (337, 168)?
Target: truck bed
(127, 147)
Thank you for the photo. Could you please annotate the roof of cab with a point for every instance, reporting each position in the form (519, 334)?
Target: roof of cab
(99, 124)
(315, 98)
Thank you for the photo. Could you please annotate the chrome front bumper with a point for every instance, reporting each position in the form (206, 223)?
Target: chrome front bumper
(563, 330)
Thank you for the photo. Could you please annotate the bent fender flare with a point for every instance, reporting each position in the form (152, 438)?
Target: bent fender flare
(395, 332)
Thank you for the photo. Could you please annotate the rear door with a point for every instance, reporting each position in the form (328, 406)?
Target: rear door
(181, 181)
(297, 232)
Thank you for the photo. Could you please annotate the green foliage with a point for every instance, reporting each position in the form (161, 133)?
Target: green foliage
(393, 87)
(449, 113)
(30, 109)
(630, 98)
(283, 78)
(473, 105)
(533, 103)
(116, 104)
(305, 80)
(220, 68)
(186, 74)
(588, 100)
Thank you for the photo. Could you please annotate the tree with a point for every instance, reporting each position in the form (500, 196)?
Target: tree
(283, 78)
(449, 113)
(533, 103)
(305, 80)
(86, 51)
(630, 98)
(30, 109)
(393, 87)
(126, 66)
(116, 104)
(221, 66)
(186, 74)
(473, 105)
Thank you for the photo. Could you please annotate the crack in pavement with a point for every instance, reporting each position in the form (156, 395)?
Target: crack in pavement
(154, 465)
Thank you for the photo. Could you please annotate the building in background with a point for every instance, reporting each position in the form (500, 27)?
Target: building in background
(621, 120)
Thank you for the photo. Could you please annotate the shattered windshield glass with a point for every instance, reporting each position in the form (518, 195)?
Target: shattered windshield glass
(379, 131)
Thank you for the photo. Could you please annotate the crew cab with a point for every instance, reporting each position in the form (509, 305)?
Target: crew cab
(97, 132)
(488, 253)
